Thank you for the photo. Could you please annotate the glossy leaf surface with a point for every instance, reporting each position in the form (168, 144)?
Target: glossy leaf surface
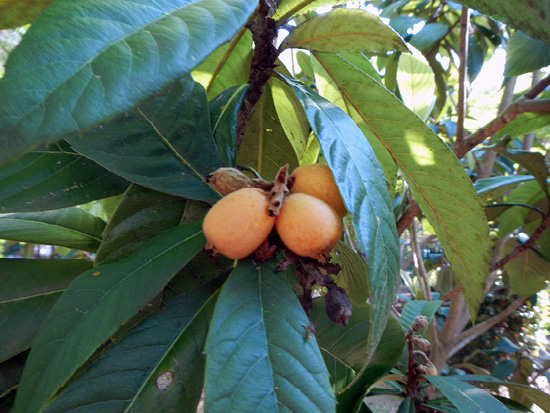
(78, 325)
(30, 288)
(525, 55)
(102, 58)
(259, 357)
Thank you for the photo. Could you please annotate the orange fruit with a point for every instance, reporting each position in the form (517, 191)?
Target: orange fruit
(317, 180)
(308, 226)
(238, 223)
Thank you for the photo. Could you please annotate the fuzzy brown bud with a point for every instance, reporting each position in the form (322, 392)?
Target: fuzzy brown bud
(421, 343)
(419, 323)
(338, 305)
(227, 180)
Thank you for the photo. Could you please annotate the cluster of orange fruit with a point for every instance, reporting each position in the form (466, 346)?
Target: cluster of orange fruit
(308, 221)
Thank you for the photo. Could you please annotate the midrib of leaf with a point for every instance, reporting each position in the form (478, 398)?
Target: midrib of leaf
(46, 224)
(172, 149)
(401, 166)
(29, 297)
(168, 350)
(331, 35)
(99, 53)
(225, 57)
(324, 349)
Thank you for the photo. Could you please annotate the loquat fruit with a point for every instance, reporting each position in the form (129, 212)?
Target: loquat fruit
(308, 226)
(238, 223)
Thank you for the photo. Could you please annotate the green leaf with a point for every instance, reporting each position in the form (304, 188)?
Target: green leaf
(30, 287)
(536, 396)
(531, 17)
(344, 30)
(438, 182)
(53, 178)
(311, 155)
(290, 8)
(525, 123)
(431, 33)
(17, 13)
(527, 194)
(528, 272)
(265, 146)
(416, 84)
(102, 58)
(488, 186)
(228, 65)
(94, 306)
(147, 358)
(384, 359)
(141, 215)
(359, 177)
(70, 227)
(418, 307)
(258, 355)
(466, 398)
(525, 55)
(166, 144)
(353, 277)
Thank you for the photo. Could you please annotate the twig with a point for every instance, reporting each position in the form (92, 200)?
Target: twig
(462, 72)
(419, 263)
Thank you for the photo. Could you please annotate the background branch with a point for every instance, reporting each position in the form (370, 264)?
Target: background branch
(462, 72)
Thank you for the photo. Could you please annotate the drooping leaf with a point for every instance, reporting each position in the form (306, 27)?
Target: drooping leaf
(418, 307)
(30, 287)
(102, 58)
(95, 305)
(70, 227)
(344, 30)
(228, 65)
(531, 17)
(166, 144)
(416, 83)
(53, 178)
(466, 398)
(353, 277)
(528, 272)
(360, 179)
(141, 215)
(265, 146)
(438, 182)
(258, 355)
(143, 370)
(525, 55)
(17, 13)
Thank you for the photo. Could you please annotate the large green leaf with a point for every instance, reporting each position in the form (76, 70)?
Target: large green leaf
(54, 178)
(166, 144)
(102, 58)
(525, 123)
(95, 305)
(436, 177)
(525, 55)
(141, 215)
(418, 307)
(427, 36)
(70, 227)
(530, 193)
(265, 146)
(489, 186)
(258, 355)
(466, 398)
(17, 13)
(156, 349)
(527, 273)
(228, 65)
(532, 17)
(29, 289)
(360, 179)
(353, 277)
(344, 30)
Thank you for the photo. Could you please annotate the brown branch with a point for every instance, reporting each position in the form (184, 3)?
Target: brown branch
(450, 294)
(407, 217)
(462, 72)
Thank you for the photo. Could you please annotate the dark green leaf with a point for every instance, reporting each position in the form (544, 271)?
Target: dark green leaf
(29, 289)
(436, 177)
(404, 24)
(131, 374)
(17, 13)
(53, 178)
(428, 35)
(166, 144)
(407, 406)
(525, 55)
(528, 272)
(259, 357)
(418, 307)
(227, 66)
(95, 305)
(486, 186)
(353, 277)
(359, 177)
(265, 146)
(532, 17)
(141, 215)
(504, 369)
(467, 398)
(102, 58)
(70, 227)
(344, 30)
